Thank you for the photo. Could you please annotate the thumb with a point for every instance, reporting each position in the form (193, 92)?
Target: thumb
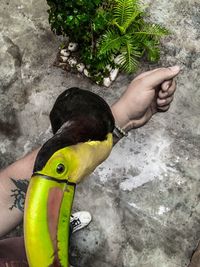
(159, 76)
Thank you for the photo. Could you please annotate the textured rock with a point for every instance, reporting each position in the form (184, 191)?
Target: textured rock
(11, 58)
(107, 81)
(113, 74)
(145, 198)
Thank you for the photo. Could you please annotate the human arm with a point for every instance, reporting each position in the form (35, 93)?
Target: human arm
(13, 183)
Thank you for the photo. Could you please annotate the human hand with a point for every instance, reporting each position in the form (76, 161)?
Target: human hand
(148, 93)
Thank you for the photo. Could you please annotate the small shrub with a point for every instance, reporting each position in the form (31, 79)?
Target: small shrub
(105, 30)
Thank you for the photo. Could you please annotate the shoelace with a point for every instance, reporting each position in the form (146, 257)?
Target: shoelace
(75, 222)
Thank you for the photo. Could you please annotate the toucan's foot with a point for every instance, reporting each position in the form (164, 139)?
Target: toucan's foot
(80, 220)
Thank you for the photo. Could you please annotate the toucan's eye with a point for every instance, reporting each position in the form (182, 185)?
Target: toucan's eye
(60, 168)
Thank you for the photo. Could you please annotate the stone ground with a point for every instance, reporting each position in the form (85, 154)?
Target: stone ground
(145, 198)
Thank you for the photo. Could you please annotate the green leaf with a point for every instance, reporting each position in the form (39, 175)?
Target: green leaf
(128, 59)
(97, 2)
(152, 50)
(110, 43)
(154, 30)
(124, 10)
(131, 20)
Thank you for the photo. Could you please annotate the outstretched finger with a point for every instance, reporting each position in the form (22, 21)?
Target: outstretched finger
(159, 76)
(146, 73)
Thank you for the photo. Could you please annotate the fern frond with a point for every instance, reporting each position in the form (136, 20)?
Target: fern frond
(152, 49)
(102, 61)
(124, 9)
(128, 60)
(153, 29)
(110, 43)
(127, 65)
(131, 19)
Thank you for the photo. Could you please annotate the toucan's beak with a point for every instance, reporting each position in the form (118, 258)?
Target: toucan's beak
(47, 210)
(50, 196)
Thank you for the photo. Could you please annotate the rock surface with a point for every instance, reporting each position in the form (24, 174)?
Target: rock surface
(145, 198)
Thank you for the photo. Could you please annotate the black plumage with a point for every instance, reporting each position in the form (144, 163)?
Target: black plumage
(77, 116)
(75, 102)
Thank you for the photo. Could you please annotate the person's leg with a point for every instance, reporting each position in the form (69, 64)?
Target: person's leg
(195, 261)
(13, 249)
(12, 252)
(11, 263)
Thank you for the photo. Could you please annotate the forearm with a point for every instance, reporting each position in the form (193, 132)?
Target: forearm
(13, 184)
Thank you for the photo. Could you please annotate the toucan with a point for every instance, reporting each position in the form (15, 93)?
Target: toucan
(82, 124)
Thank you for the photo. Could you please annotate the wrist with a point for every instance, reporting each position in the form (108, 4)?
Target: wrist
(119, 113)
(121, 121)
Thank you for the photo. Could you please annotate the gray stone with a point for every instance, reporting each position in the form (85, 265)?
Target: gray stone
(11, 60)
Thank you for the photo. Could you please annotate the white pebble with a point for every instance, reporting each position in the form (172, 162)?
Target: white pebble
(64, 59)
(64, 52)
(72, 62)
(107, 82)
(72, 47)
(113, 74)
(80, 67)
(86, 73)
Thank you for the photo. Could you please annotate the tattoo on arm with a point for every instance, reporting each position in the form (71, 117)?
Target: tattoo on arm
(19, 193)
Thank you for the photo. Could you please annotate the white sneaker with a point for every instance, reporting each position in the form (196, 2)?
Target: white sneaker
(79, 220)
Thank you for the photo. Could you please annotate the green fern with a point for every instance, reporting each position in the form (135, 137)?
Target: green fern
(152, 50)
(110, 43)
(123, 10)
(130, 37)
(106, 29)
(131, 20)
(129, 56)
(153, 29)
